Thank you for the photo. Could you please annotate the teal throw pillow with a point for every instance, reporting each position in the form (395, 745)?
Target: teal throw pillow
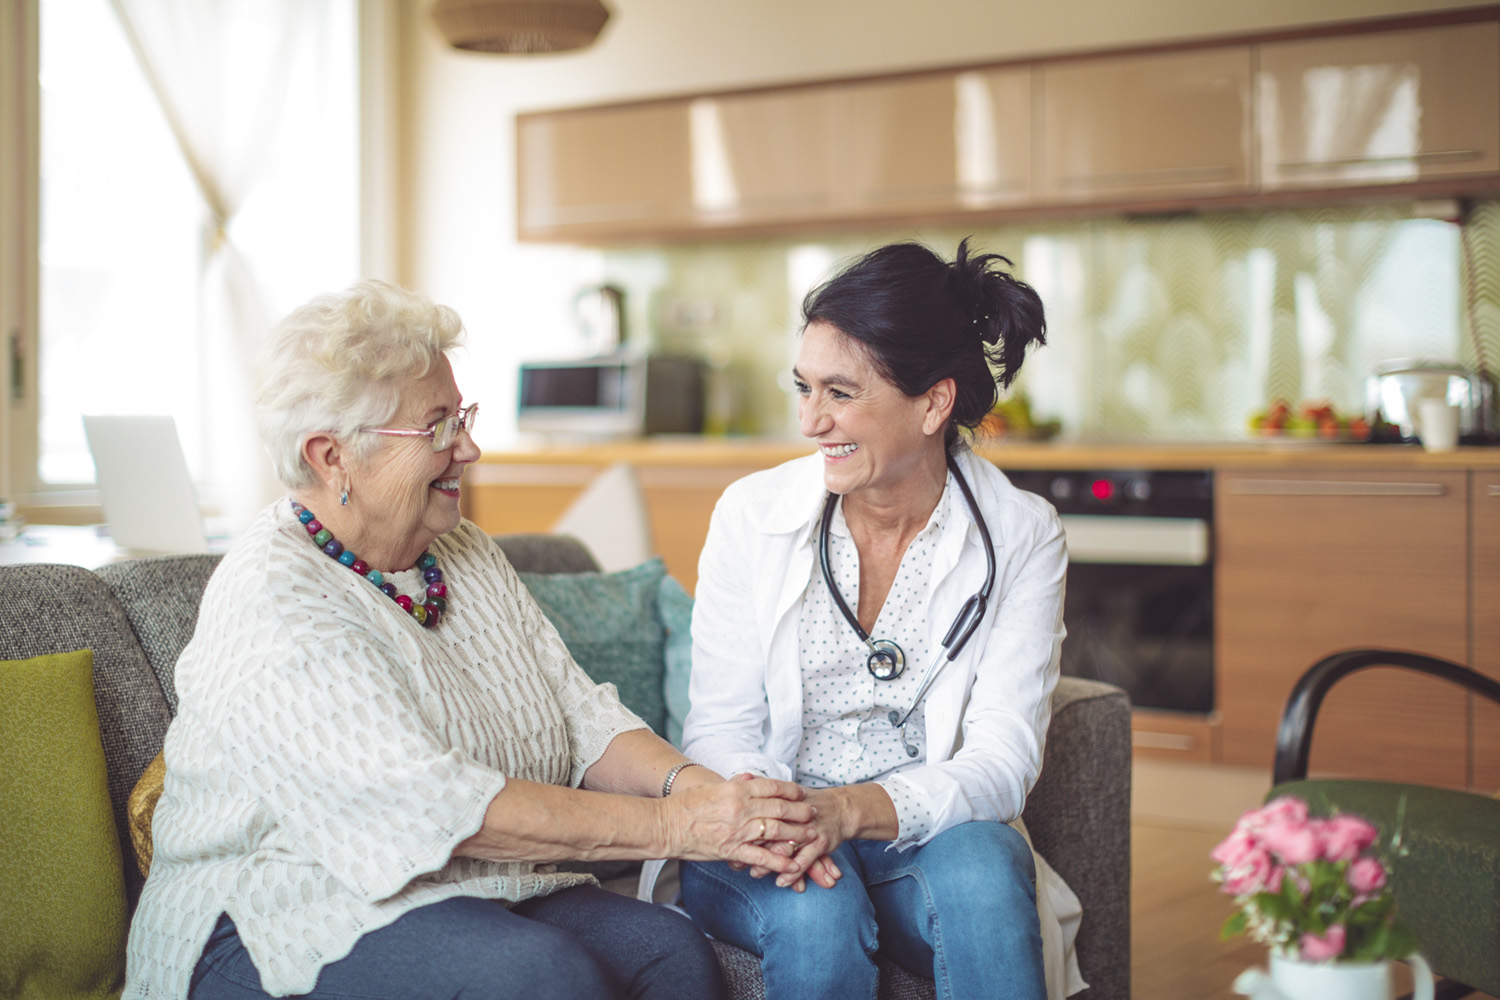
(676, 609)
(609, 623)
(62, 886)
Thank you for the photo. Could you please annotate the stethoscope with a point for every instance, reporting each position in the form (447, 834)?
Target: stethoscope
(887, 661)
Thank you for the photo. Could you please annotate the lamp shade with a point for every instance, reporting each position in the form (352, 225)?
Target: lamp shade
(519, 25)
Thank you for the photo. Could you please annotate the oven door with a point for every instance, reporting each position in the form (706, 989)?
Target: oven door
(1139, 608)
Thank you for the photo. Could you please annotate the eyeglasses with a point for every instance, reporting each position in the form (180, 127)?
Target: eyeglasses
(442, 433)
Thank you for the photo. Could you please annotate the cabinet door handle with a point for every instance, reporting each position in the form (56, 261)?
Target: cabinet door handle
(1161, 741)
(1331, 488)
(1426, 156)
(1492, 490)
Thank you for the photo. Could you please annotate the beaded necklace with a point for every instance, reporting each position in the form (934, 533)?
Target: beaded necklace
(434, 603)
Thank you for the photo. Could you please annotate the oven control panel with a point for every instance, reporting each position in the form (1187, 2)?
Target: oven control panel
(1126, 493)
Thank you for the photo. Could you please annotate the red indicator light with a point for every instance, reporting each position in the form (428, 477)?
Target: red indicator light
(1103, 490)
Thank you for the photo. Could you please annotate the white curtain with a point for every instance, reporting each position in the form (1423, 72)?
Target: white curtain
(235, 79)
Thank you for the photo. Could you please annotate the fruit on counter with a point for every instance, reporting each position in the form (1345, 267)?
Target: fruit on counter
(1012, 418)
(1312, 418)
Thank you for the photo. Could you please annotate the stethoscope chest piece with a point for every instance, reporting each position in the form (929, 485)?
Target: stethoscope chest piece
(887, 661)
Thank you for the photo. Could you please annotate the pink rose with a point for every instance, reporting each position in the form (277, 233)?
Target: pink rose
(1234, 849)
(1366, 875)
(1345, 837)
(1251, 874)
(1295, 842)
(1284, 809)
(1319, 949)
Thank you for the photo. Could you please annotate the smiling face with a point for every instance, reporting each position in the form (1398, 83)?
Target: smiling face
(406, 493)
(876, 441)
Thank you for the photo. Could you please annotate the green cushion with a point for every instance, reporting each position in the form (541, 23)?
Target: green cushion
(1447, 885)
(609, 623)
(62, 887)
(676, 610)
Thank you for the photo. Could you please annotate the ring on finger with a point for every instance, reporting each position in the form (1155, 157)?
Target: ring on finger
(762, 830)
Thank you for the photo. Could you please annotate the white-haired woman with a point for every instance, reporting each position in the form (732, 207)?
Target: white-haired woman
(381, 742)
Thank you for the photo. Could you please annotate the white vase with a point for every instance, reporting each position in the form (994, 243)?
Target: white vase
(1292, 979)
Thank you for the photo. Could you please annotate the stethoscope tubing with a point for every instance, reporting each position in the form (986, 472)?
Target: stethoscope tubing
(964, 624)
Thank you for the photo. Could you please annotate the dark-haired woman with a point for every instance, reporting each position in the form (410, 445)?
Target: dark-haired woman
(881, 622)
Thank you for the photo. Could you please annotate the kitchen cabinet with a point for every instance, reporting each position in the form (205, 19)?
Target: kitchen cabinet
(764, 157)
(1312, 563)
(937, 142)
(1484, 508)
(602, 171)
(1380, 108)
(1146, 126)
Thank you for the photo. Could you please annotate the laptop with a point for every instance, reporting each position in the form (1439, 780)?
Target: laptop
(144, 485)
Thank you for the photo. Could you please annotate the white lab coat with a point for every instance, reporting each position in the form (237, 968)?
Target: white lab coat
(986, 712)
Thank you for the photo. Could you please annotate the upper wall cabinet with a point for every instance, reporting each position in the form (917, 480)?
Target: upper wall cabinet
(1161, 125)
(764, 157)
(1382, 108)
(601, 172)
(933, 143)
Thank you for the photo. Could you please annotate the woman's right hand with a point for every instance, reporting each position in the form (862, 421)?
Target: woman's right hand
(730, 820)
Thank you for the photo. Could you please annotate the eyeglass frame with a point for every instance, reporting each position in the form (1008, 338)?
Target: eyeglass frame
(460, 420)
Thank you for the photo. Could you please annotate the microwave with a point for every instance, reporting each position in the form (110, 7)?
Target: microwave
(612, 396)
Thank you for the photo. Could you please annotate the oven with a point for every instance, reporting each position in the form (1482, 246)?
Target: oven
(1140, 595)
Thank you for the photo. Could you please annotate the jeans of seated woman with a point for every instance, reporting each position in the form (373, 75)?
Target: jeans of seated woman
(576, 944)
(960, 909)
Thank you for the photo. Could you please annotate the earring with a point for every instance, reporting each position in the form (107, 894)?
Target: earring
(344, 497)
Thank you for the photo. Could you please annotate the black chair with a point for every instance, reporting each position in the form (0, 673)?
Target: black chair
(1447, 881)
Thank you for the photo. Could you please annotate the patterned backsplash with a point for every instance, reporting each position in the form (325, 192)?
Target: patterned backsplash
(1172, 328)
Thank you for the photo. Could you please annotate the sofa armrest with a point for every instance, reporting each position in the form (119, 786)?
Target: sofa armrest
(1078, 815)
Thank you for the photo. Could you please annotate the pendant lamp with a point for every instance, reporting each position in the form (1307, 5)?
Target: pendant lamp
(519, 26)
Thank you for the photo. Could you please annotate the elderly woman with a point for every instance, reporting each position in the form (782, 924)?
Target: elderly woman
(381, 741)
(881, 621)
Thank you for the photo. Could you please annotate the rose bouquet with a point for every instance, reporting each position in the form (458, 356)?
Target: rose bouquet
(1311, 889)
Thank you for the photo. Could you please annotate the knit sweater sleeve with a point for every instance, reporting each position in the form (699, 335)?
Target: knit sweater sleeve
(328, 731)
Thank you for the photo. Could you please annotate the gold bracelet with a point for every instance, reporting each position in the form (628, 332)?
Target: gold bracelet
(666, 786)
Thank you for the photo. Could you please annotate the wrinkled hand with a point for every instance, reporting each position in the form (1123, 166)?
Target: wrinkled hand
(734, 820)
(812, 856)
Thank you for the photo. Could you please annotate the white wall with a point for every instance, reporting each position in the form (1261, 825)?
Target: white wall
(457, 211)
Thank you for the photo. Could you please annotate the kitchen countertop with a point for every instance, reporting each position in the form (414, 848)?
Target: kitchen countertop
(1290, 454)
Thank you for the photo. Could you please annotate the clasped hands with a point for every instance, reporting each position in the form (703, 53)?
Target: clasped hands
(810, 851)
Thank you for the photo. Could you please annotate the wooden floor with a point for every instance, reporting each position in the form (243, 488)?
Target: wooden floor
(1179, 812)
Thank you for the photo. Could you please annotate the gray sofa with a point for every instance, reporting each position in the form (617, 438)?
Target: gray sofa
(137, 615)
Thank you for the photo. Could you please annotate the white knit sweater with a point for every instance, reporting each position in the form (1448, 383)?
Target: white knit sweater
(329, 753)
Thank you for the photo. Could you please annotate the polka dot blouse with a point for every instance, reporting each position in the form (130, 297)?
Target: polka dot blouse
(847, 736)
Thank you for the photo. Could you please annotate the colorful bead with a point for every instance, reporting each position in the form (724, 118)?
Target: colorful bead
(428, 613)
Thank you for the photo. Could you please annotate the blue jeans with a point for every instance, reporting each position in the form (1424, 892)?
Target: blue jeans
(960, 909)
(576, 944)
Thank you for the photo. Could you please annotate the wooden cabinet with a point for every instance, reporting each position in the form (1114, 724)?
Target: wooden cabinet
(1380, 108)
(937, 142)
(1309, 564)
(602, 171)
(1484, 513)
(1147, 126)
(764, 157)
